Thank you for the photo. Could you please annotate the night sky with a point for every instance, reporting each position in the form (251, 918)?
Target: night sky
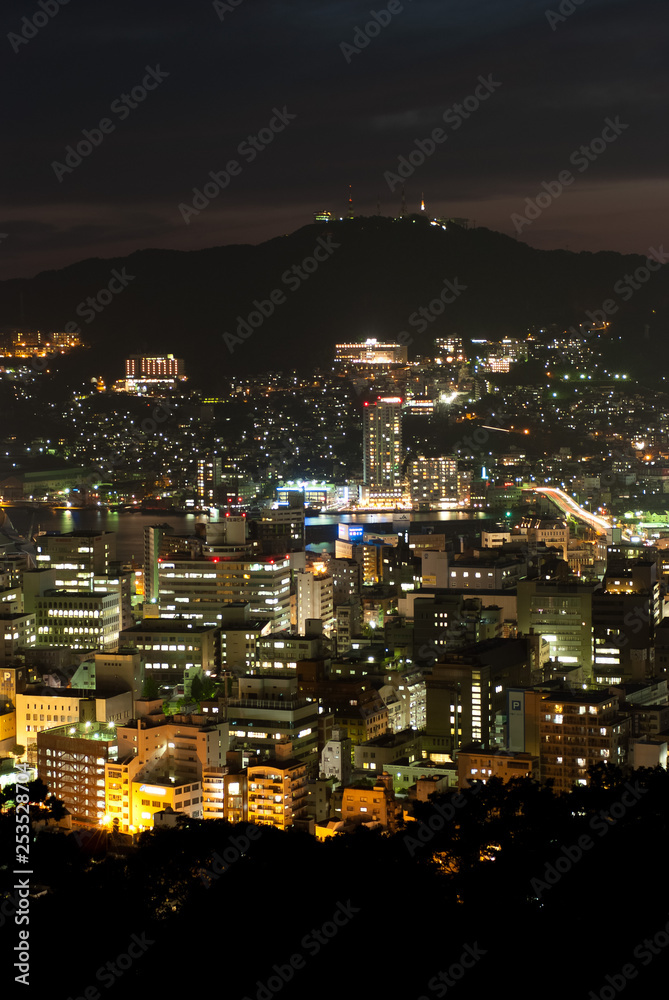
(221, 71)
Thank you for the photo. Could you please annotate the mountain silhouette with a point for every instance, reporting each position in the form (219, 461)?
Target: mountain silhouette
(341, 281)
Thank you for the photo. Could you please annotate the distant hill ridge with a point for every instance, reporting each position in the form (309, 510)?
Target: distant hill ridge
(286, 302)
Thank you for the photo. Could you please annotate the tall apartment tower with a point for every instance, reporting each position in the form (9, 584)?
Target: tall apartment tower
(382, 445)
(159, 541)
(314, 600)
(217, 481)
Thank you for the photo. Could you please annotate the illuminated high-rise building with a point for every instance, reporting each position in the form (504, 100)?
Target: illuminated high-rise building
(142, 366)
(382, 445)
(371, 352)
(434, 480)
(314, 600)
(450, 349)
(152, 374)
(218, 481)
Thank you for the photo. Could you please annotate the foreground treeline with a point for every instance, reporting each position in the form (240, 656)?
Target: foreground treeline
(508, 886)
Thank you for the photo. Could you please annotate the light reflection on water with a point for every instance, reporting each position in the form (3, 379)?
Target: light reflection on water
(130, 527)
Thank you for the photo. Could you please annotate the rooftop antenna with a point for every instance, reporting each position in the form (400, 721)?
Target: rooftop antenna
(350, 201)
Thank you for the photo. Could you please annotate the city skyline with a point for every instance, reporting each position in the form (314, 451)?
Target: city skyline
(334, 498)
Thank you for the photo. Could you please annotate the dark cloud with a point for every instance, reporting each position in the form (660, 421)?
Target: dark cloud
(356, 115)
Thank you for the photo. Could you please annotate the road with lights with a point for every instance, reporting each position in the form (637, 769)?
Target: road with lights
(569, 506)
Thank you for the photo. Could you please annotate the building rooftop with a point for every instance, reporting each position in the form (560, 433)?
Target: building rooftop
(248, 625)
(478, 748)
(276, 764)
(165, 625)
(101, 732)
(389, 740)
(76, 595)
(590, 696)
(425, 766)
(43, 691)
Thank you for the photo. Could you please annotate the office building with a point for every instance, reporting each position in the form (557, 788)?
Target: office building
(47, 708)
(410, 688)
(441, 623)
(552, 532)
(181, 746)
(434, 568)
(465, 694)
(122, 670)
(161, 765)
(486, 569)
(159, 542)
(173, 650)
(380, 753)
(561, 613)
(346, 579)
(78, 620)
(281, 529)
(263, 582)
(219, 483)
(17, 634)
(625, 616)
(284, 650)
(363, 717)
(76, 556)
